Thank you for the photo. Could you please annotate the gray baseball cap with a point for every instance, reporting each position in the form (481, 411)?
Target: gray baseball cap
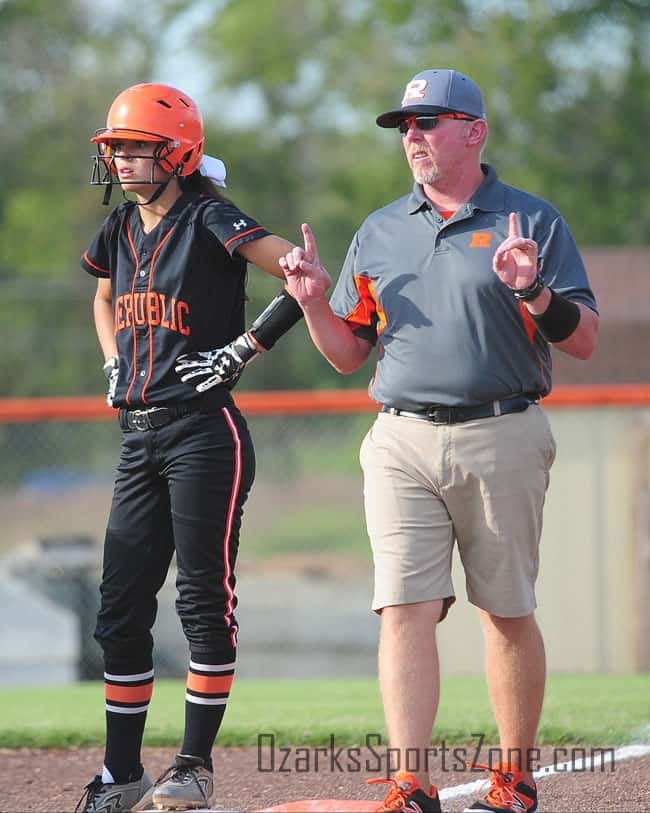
(434, 91)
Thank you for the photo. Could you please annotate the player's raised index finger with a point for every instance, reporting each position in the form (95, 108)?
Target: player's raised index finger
(513, 225)
(310, 240)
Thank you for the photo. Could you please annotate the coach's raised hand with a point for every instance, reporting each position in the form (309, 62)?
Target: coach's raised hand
(307, 282)
(515, 260)
(306, 278)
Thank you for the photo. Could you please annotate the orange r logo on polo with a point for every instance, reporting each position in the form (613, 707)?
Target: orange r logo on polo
(481, 239)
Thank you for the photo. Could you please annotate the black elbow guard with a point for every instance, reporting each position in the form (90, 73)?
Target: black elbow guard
(276, 319)
(559, 320)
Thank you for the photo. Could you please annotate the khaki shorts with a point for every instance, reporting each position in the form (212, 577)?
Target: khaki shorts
(481, 484)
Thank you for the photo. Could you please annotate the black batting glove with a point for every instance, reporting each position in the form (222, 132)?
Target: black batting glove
(213, 367)
(111, 370)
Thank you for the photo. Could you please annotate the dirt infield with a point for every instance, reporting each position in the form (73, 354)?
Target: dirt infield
(53, 780)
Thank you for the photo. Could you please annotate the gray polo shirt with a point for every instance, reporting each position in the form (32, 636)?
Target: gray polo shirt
(422, 287)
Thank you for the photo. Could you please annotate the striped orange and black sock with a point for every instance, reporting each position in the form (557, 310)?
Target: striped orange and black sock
(127, 701)
(209, 680)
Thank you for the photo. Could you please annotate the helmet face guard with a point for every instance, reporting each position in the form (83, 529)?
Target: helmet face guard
(151, 112)
(104, 171)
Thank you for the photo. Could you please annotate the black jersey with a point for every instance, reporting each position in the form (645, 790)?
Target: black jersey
(177, 289)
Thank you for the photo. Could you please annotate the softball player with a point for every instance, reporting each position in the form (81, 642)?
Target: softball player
(171, 266)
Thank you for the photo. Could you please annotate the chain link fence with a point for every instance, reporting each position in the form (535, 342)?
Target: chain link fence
(303, 533)
(305, 570)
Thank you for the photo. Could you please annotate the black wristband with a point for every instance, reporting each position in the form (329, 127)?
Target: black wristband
(276, 319)
(532, 291)
(559, 320)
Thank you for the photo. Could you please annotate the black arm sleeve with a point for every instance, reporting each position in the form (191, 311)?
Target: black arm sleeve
(276, 319)
(559, 320)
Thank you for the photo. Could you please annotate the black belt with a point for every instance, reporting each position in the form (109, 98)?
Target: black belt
(154, 417)
(438, 413)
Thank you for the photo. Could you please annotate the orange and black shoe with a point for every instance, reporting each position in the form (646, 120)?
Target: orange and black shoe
(509, 792)
(407, 795)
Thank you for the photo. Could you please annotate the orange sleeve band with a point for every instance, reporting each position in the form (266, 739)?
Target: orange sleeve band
(103, 271)
(239, 236)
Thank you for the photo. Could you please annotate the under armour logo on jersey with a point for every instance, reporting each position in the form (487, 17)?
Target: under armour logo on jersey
(239, 224)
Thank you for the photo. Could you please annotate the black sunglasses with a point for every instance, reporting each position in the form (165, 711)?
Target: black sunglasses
(425, 123)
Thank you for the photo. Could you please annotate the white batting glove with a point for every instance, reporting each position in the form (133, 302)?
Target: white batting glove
(111, 370)
(221, 366)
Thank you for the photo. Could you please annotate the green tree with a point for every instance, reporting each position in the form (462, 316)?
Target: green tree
(59, 65)
(296, 87)
(567, 112)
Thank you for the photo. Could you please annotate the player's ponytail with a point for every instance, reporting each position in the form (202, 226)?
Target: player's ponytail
(202, 185)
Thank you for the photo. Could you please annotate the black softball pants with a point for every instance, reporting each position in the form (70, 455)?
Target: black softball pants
(179, 488)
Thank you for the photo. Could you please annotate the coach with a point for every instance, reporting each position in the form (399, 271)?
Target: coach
(463, 284)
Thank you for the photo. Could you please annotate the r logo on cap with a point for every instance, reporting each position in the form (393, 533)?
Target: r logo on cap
(415, 90)
(435, 91)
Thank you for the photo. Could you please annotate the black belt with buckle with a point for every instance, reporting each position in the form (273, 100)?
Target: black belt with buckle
(141, 420)
(439, 413)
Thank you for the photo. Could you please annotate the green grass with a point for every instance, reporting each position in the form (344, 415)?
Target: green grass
(311, 529)
(580, 709)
